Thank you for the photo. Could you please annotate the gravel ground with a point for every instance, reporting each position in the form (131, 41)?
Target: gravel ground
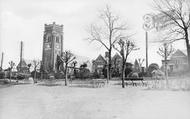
(32, 101)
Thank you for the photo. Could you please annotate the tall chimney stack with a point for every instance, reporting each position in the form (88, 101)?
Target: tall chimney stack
(21, 54)
(2, 60)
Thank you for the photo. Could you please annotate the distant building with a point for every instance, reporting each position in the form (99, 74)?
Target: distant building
(116, 61)
(52, 46)
(116, 65)
(98, 64)
(177, 62)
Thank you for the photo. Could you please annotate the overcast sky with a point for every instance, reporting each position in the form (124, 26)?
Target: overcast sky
(24, 20)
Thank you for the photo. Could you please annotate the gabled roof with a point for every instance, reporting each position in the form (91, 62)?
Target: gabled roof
(178, 53)
(100, 58)
(116, 56)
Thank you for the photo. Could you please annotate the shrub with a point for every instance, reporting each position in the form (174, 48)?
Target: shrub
(59, 75)
(128, 71)
(152, 67)
(2, 75)
(83, 73)
(95, 75)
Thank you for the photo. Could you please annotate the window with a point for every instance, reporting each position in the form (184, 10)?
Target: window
(49, 39)
(100, 66)
(57, 39)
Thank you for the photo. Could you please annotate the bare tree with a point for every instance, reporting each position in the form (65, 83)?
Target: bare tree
(177, 13)
(124, 47)
(165, 51)
(68, 57)
(107, 33)
(36, 64)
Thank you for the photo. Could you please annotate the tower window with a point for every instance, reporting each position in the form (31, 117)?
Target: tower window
(57, 39)
(49, 39)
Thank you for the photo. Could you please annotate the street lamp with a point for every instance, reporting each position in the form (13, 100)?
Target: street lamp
(147, 26)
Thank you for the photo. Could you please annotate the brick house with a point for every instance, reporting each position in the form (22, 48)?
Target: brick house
(116, 65)
(98, 64)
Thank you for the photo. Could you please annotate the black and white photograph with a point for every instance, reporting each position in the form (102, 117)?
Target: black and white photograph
(94, 59)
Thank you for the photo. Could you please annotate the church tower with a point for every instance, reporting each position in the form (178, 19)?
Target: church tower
(52, 46)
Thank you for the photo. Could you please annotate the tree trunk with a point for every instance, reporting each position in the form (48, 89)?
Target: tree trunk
(109, 67)
(10, 75)
(166, 69)
(34, 76)
(188, 47)
(123, 74)
(66, 75)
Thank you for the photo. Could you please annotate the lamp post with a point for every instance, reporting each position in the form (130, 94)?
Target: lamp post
(147, 26)
(146, 37)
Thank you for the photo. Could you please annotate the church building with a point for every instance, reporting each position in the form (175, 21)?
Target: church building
(52, 46)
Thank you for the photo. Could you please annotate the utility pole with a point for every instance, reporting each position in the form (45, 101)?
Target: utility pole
(2, 60)
(146, 50)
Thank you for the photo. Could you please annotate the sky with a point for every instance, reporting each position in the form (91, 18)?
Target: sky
(23, 20)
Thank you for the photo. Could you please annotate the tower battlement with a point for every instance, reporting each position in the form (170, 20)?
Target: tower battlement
(53, 28)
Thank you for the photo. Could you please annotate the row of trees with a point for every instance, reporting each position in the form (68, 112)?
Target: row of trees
(111, 32)
(176, 22)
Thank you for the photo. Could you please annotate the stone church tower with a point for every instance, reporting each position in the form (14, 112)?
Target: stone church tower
(52, 46)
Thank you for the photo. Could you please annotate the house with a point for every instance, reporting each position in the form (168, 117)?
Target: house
(98, 64)
(178, 62)
(116, 61)
(116, 65)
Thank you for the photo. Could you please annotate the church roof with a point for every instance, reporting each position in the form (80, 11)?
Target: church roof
(23, 64)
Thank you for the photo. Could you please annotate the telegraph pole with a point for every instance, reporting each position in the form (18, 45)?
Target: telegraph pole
(146, 35)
